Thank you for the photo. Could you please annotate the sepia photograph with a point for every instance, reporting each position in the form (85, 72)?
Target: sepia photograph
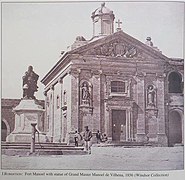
(92, 89)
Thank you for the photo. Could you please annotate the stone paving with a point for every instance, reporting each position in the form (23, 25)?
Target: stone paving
(104, 158)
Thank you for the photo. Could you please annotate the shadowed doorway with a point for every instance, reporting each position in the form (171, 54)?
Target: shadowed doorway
(175, 128)
(118, 125)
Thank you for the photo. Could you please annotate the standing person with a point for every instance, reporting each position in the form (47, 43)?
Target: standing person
(76, 138)
(87, 137)
(98, 137)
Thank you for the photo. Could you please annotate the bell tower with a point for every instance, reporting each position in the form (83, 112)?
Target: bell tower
(103, 21)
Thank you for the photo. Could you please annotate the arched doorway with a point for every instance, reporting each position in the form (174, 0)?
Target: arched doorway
(175, 128)
(3, 131)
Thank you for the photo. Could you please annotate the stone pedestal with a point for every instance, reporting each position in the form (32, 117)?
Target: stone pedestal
(26, 112)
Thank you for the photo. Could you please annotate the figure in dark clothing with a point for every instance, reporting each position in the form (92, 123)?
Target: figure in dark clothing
(98, 137)
(76, 138)
(87, 135)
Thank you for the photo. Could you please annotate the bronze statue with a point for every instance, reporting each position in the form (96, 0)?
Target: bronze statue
(30, 83)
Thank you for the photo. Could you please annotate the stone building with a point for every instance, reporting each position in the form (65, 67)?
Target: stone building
(8, 116)
(116, 84)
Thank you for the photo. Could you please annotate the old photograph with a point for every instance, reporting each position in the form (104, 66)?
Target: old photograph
(92, 86)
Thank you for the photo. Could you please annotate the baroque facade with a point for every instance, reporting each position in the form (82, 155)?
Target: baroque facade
(116, 84)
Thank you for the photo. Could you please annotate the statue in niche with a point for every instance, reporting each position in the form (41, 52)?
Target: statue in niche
(85, 94)
(150, 95)
(30, 83)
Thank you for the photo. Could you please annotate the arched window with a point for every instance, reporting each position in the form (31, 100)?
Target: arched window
(118, 87)
(174, 83)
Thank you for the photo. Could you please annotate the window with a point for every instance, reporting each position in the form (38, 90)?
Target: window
(117, 87)
(174, 83)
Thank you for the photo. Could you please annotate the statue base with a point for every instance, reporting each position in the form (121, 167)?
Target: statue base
(26, 112)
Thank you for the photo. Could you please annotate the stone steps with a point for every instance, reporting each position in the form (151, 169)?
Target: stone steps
(23, 149)
(24, 143)
(125, 144)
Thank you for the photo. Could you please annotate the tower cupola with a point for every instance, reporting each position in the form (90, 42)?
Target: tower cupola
(103, 21)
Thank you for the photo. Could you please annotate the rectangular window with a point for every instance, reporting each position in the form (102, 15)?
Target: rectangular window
(118, 87)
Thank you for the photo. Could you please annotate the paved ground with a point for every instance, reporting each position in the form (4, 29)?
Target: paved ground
(105, 158)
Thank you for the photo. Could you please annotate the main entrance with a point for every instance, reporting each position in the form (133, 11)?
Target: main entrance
(118, 125)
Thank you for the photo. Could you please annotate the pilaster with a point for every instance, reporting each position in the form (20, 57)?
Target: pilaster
(141, 132)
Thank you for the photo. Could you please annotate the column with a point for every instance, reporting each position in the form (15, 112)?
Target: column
(161, 134)
(52, 113)
(74, 99)
(46, 113)
(61, 111)
(141, 135)
(96, 101)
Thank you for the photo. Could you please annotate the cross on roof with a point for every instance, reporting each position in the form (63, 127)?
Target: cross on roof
(119, 23)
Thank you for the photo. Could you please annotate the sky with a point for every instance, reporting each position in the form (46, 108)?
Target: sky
(35, 33)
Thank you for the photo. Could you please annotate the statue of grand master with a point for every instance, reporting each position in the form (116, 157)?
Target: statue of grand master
(30, 83)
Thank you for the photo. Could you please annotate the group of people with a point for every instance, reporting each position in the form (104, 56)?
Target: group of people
(86, 138)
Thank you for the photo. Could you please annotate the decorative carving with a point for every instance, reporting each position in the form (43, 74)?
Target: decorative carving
(151, 113)
(75, 72)
(116, 49)
(52, 87)
(85, 74)
(168, 67)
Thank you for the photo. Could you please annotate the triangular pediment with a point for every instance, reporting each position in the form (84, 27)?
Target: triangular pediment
(119, 44)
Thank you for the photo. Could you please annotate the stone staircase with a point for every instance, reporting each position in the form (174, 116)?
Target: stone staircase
(23, 149)
(124, 144)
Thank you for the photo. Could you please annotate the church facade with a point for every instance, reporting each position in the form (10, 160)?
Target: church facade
(117, 85)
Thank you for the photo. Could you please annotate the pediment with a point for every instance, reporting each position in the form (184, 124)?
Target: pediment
(119, 44)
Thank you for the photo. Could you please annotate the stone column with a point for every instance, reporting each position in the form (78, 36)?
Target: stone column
(61, 111)
(46, 113)
(107, 120)
(75, 99)
(96, 101)
(162, 139)
(127, 124)
(52, 114)
(74, 75)
(109, 123)
(141, 134)
(131, 125)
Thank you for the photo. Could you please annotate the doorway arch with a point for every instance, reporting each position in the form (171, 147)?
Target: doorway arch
(5, 129)
(175, 128)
